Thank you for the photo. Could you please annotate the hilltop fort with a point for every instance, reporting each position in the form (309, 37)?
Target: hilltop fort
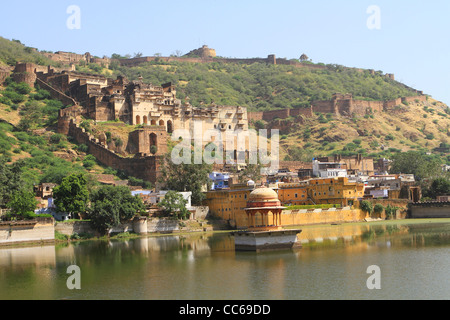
(155, 110)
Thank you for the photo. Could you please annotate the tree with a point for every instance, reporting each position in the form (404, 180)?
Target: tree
(72, 195)
(174, 204)
(10, 180)
(414, 162)
(390, 211)
(250, 172)
(22, 203)
(185, 177)
(366, 206)
(378, 208)
(111, 205)
(439, 187)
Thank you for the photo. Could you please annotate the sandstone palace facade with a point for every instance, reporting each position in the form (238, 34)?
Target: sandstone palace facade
(138, 103)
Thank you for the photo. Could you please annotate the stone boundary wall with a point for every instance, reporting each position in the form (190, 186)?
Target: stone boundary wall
(312, 216)
(280, 114)
(271, 59)
(339, 107)
(37, 230)
(56, 94)
(430, 210)
(141, 225)
(146, 168)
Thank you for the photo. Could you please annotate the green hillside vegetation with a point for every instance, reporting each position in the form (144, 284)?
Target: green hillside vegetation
(262, 87)
(28, 139)
(419, 126)
(14, 51)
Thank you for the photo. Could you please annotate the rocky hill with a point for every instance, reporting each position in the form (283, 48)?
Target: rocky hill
(414, 124)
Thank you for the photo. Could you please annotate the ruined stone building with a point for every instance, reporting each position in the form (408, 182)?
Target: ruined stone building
(139, 103)
(69, 58)
(203, 52)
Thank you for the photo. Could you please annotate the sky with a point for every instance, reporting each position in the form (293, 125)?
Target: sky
(410, 39)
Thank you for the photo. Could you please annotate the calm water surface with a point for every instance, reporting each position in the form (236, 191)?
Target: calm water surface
(413, 257)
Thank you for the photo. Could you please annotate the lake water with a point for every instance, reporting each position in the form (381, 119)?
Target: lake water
(413, 258)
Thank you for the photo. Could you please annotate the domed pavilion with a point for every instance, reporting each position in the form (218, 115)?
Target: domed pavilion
(263, 203)
(264, 230)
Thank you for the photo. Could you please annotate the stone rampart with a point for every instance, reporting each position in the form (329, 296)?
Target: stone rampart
(140, 225)
(37, 230)
(56, 94)
(145, 167)
(311, 217)
(279, 114)
(430, 210)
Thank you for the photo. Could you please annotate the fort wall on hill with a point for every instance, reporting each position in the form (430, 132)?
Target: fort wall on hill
(339, 105)
(143, 166)
(271, 59)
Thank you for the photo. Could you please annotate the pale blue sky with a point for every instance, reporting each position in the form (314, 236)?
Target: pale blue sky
(413, 42)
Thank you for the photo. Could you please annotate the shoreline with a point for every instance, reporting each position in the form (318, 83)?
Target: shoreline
(130, 236)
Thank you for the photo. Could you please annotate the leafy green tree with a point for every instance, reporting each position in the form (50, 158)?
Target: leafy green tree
(390, 211)
(22, 202)
(250, 172)
(174, 204)
(378, 208)
(185, 177)
(10, 180)
(366, 206)
(111, 205)
(414, 162)
(439, 187)
(72, 195)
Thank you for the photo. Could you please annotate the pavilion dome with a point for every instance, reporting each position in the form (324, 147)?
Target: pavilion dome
(263, 194)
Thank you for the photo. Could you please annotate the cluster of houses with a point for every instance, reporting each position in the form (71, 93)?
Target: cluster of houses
(343, 181)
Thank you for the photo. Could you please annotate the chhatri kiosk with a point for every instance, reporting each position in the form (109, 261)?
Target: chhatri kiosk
(264, 230)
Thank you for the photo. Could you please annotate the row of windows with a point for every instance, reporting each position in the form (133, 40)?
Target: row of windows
(318, 194)
(240, 196)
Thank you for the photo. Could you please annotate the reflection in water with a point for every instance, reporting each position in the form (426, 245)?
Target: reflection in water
(331, 265)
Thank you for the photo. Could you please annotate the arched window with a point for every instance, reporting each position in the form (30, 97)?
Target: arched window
(138, 120)
(145, 119)
(169, 126)
(153, 143)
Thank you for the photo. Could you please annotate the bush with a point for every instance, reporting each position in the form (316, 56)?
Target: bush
(41, 95)
(6, 101)
(390, 211)
(378, 208)
(14, 96)
(366, 206)
(56, 138)
(83, 148)
(21, 88)
(60, 236)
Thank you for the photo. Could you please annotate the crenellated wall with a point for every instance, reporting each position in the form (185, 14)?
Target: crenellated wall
(146, 167)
